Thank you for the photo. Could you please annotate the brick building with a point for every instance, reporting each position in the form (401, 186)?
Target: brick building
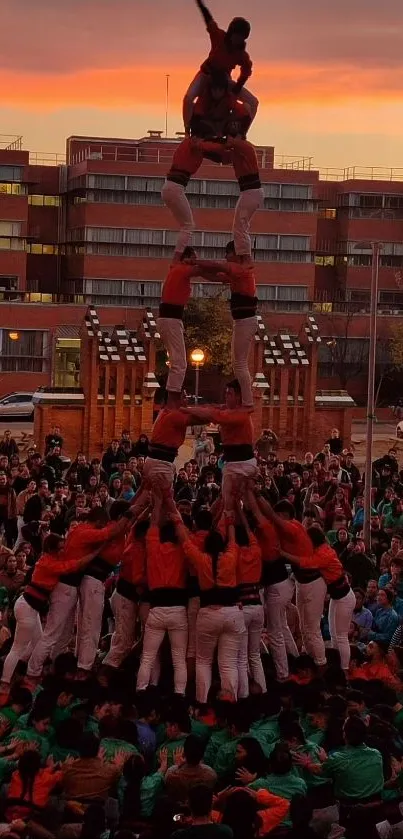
(92, 230)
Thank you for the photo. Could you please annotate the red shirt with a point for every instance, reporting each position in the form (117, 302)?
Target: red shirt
(236, 427)
(166, 562)
(241, 278)
(170, 428)
(222, 57)
(249, 562)
(177, 287)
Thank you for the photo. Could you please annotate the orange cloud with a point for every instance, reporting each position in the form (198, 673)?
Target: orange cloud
(143, 86)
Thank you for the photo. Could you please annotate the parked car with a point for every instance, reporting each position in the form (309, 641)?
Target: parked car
(18, 405)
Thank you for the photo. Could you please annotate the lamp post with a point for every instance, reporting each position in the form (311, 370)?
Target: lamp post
(375, 248)
(197, 358)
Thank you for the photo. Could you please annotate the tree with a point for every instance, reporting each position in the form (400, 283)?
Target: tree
(208, 326)
(396, 345)
(348, 356)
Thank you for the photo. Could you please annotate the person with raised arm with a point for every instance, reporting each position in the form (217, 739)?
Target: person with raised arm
(228, 50)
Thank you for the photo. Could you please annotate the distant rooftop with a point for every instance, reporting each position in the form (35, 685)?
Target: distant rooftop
(130, 150)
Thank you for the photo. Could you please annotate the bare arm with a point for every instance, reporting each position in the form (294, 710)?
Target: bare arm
(206, 14)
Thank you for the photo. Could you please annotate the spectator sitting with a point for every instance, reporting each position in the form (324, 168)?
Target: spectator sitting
(190, 772)
(385, 618)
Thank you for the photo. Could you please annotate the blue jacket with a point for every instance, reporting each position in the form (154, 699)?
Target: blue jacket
(385, 624)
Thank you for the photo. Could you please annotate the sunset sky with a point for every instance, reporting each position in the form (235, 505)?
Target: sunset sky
(329, 75)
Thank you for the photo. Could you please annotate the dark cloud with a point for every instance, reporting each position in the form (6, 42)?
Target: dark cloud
(51, 36)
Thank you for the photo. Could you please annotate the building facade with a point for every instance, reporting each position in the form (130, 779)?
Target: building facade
(92, 230)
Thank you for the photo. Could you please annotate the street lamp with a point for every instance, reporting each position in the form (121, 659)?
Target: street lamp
(14, 336)
(197, 357)
(375, 248)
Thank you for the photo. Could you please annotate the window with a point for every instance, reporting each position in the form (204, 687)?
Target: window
(8, 244)
(145, 237)
(10, 228)
(12, 189)
(106, 181)
(294, 243)
(328, 212)
(283, 298)
(44, 200)
(104, 234)
(122, 292)
(295, 191)
(37, 248)
(11, 173)
(326, 261)
(28, 353)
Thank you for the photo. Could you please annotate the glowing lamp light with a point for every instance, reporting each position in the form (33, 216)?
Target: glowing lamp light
(14, 336)
(197, 356)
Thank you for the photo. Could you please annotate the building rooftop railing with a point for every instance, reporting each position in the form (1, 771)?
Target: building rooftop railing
(11, 142)
(42, 158)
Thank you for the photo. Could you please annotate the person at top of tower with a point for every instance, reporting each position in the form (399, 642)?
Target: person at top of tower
(217, 117)
(228, 50)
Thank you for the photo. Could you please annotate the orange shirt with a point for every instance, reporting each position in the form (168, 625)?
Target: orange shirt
(166, 562)
(169, 429)
(249, 562)
(378, 671)
(133, 568)
(272, 811)
(294, 539)
(236, 427)
(177, 288)
(268, 541)
(50, 568)
(226, 571)
(221, 57)
(44, 782)
(85, 538)
(325, 560)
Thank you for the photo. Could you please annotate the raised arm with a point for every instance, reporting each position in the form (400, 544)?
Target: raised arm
(206, 14)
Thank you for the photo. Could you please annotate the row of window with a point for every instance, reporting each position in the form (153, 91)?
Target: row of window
(165, 252)
(197, 186)
(13, 189)
(144, 236)
(218, 202)
(373, 200)
(28, 353)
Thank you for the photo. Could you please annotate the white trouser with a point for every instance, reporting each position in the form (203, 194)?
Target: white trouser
(175, 198)
(248, 202)
(153, 467)
(221, 627)
(193, 611)
(242, 469)
(310, 603)
(279, 636)
(340, 614)
(60, 618)
(243, 334)
(171, 331)
(20, 539)
(91, 606)
(125, 614)
(27, 634)
(162, 619)
(197, 87)
(249, 653)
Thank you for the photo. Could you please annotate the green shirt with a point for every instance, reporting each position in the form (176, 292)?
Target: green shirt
(357, 772)
(266, 730)
(112, 747)
(225, 757)
(286, 786)
(218, 737)
(171, 746)
(8, 717)
(201, 729)
(312, 750)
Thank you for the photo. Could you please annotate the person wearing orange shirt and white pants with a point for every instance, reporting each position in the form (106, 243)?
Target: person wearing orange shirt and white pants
(167, 578)
(175, 295)
(249, 572)
(168, 435)
(220, 622)
(251, 198)
(342, 599)
(34, 602)
(278, 588)
(236, 432)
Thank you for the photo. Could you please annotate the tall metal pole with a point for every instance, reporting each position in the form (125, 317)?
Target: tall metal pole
(197, 383)
(376, 248)
(166, 105)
